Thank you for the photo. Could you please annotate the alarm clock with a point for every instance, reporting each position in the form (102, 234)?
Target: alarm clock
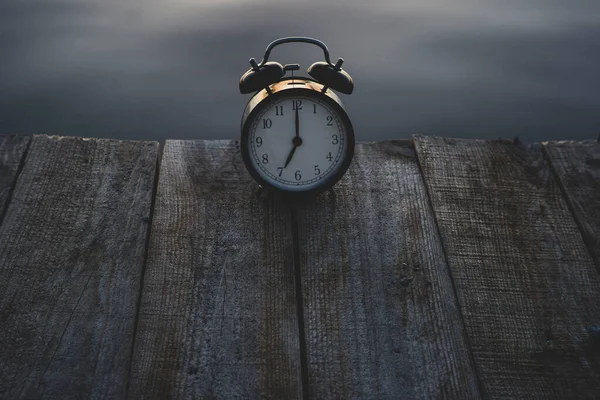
(296, 136)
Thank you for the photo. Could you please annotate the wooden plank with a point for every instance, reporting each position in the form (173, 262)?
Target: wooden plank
(71, 254)
(12, 150)
(577, 166)
(218, 311)
(526, 284)
(381, 315)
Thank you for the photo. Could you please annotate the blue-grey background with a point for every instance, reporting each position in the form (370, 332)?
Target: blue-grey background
(156, 69)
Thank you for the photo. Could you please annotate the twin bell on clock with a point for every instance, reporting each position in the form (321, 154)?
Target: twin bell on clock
(296, 135)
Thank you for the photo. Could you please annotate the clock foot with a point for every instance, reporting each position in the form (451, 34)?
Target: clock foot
(260, 191)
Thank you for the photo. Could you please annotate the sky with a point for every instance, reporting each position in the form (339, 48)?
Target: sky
(156, 70)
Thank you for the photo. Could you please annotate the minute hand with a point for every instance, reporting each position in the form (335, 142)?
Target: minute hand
(297, 126)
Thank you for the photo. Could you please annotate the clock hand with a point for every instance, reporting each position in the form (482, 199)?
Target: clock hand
(297, 125)
(297, 141)
(290, 156)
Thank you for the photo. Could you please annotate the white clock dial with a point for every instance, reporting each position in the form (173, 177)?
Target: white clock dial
(297, 142)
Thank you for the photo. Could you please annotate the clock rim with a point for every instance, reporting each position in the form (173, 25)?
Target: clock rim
(310, 90)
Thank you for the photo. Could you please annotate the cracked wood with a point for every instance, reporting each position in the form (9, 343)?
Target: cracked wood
(71, 253)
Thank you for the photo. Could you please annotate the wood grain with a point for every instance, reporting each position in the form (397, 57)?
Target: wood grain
(380, 312)
(218, 310)
(577, 166)
(71, 253)
(528, 289)
(12, 150)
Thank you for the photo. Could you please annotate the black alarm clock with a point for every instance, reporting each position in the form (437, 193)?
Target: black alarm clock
(296, 135)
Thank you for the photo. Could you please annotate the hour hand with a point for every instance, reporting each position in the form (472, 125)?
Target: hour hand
(289, 158)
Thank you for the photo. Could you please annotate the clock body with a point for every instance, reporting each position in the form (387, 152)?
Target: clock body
(295, 138)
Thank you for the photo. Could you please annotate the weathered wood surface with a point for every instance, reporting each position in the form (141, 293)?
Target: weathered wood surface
(380, 312)
(12, 150)
(577, 165)
(504, 304)
(218, 312)
(71, 253)
(527, 286)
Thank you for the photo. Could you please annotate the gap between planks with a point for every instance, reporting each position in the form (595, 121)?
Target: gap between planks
(159, 154)
(300, 306)
(467, 340)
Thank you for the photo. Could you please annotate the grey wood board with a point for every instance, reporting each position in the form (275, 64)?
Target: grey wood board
(577, 165)
(12, 150)
(381, 316)
(218, 314)
(527, 286)
(72, 248)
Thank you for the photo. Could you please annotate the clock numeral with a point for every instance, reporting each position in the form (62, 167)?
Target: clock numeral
(329, 157)
(317, 170)
(334, 139)
(297, 175)
(280, 169)
(297, 105)
(278, 110)
(329, 120)
(314, 108)
(258, 141)
(265, 159)
(267, 123)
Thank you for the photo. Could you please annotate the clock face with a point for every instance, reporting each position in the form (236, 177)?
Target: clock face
(298, 143)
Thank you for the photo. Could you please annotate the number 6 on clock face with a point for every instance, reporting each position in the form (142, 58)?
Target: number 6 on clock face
(297, 138)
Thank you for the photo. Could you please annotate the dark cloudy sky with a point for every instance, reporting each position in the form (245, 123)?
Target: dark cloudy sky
(156, 69)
